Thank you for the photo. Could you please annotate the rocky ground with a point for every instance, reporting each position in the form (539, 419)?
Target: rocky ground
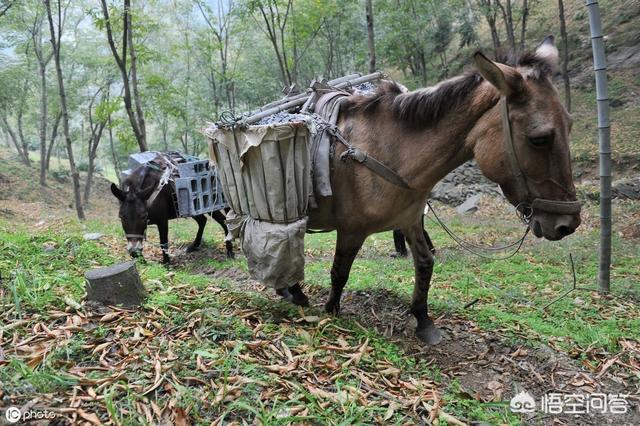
(467, 181)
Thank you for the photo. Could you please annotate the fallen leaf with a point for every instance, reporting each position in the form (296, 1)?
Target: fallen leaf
(90, 417)
(110, 316)
(282, 369)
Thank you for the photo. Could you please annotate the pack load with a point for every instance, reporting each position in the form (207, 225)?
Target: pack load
(273, 164)
(194, 183)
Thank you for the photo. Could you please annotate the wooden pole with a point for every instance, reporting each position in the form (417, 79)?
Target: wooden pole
(604, 140)
(301, 99)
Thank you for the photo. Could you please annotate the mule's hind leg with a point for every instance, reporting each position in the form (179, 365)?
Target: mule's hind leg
(163, 230)
(399, 244)
(219, 217)
(294, 294)
(423, 264)
(347, 247)
(202, 222)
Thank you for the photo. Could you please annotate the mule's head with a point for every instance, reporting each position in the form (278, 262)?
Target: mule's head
(543, 187)
(134, 215)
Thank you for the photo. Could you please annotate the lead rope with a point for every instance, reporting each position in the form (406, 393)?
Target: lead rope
(472, 248)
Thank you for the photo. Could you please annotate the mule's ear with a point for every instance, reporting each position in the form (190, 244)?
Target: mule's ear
(548, 51)
(504, 78)
(117, 192)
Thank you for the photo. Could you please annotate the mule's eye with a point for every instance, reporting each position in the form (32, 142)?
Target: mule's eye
(540, 140)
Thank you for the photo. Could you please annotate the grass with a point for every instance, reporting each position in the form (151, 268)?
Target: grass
(203, 332)
(43, 281)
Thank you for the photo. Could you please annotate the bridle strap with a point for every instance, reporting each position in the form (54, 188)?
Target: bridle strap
(518, 176)
(558, 207)
(138, 236)
(540, 204)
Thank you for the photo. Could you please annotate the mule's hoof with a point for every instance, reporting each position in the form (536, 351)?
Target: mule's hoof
(397, 254)
(191, 248)
(231, 255)
(332, 307)
(284, 293)
(431, 335)
(297, 295)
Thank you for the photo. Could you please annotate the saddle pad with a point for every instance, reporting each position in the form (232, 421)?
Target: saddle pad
(328, 108)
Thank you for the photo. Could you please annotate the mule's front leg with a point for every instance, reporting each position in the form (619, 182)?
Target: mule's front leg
(423, 264)
(347, 247)
(219, 217)
(163, 230)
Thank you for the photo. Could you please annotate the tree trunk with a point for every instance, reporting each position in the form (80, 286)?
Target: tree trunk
(116, 285)
(54, 136)
(507, 16)
(137, 122)
(565, 56)
(23, 140)
(370, 37)
(272, 34)
(116, 163)
(55, 44)
(7, 140)
(134, 79)
(43, 124)
(523, 27)
(43, 62)
(93, 150)
(14, 139)
(489, 10)
(164, 127)
(511, 37)
(94, 140)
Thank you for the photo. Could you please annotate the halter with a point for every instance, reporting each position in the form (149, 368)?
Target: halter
(138, 236)
(541, 204)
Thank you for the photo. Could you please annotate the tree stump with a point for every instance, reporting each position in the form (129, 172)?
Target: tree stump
(115, 285)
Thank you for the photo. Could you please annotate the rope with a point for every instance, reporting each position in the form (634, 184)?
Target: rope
(229, 118)
(472, 248)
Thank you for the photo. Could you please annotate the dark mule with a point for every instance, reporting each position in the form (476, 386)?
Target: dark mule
(135, 214)
(399, 242)
(509, 118)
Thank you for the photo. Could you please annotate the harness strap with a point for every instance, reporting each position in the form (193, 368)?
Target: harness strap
(366, 160)
(164, 180)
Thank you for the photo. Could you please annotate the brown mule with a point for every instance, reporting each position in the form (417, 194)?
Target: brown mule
(425, 134)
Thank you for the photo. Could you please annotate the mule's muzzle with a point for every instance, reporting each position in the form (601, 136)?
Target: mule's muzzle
(554, 227)
(134, 247)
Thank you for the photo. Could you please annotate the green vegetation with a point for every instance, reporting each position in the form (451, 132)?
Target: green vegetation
(222, 348)
(211, 346)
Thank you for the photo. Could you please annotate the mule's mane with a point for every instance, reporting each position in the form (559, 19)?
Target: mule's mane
(420, 107)
(140, 178)
(424, 107)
